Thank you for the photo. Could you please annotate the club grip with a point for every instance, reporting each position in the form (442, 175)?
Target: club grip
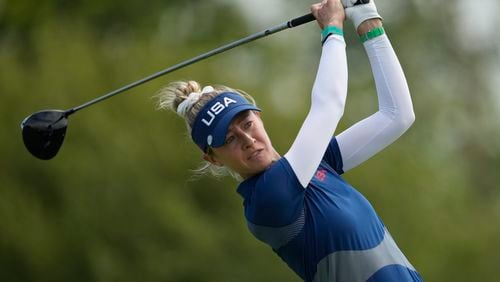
(301, 20)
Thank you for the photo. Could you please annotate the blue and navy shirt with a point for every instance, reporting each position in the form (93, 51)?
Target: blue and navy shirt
(326, 232)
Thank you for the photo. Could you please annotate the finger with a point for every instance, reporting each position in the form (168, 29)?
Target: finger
(315, 8)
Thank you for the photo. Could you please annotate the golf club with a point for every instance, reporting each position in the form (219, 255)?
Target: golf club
(43, 132)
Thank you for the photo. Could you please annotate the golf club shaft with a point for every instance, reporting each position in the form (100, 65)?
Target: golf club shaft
(290, 24)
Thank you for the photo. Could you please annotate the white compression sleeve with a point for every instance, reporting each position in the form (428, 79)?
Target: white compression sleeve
(327, 106)
(395, 115)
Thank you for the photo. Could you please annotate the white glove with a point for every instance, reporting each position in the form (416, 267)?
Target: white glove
(350, 3)
(360, 12)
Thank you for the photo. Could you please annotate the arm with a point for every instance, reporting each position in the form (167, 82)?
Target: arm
(327, 106)
(395, 115)
(328, 97)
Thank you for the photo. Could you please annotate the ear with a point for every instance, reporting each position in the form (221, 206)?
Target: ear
(211, 159)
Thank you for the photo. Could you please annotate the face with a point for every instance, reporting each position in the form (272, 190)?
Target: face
(248, 149)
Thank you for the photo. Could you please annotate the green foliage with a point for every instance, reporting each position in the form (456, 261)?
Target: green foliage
(119, 202)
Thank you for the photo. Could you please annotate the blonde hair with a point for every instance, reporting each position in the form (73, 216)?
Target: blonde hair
(191, 98)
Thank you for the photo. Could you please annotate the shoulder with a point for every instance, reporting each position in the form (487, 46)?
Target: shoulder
(277, 179)
(276, 173)
(274, 196)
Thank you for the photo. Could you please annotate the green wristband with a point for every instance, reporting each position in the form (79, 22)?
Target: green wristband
(376, 32)
(328, 30)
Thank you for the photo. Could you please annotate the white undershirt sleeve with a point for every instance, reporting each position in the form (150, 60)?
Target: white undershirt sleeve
(395, 114)
(327, 107)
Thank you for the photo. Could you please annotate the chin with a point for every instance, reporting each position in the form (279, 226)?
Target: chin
(260, 163)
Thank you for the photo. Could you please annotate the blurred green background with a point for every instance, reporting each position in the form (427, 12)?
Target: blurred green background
(119, 202)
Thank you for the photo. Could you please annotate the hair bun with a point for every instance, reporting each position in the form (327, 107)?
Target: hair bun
(171, 96)
(189, 87)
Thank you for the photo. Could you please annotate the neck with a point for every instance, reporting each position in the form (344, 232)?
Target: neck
(276, 156)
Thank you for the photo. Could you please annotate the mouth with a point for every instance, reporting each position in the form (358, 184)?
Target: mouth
(255, 153)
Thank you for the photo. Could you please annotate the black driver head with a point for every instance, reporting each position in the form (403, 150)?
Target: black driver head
(43, 133)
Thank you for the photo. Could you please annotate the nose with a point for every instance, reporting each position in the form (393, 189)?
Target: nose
(247, 140)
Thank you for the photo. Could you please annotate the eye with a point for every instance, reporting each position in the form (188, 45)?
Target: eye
(248, 124)
(229, 139)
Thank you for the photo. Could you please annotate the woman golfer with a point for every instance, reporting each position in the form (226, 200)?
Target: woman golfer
(297, 203)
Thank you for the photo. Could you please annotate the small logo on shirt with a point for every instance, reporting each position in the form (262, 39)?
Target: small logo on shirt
(321, 174)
